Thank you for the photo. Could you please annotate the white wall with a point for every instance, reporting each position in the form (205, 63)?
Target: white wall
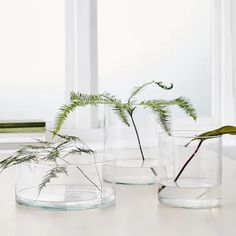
(32, 58)
(170, 40)
(138, 40)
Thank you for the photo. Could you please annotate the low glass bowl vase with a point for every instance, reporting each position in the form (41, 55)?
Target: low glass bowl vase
(67, 186)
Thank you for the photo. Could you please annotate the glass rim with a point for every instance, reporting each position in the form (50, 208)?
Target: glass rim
(94, 163)
(186, 135)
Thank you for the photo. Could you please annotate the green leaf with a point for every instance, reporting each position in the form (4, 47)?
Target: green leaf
(231, 130)
(228, 129)
(16, 160)
(120, 108)
(184, 104)
(53, 173)
(121, 112)
(139, 89)
(63, 114)
(160, 109)
(76, 100)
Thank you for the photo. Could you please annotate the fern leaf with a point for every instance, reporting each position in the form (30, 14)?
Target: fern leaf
(79, 100)
(182, 102)
(139, 89)
(119, 107)
(163, 86)
(63, 114)
(161, 111)
(53, 173)
(16, 160)
(186, 106)
(122, 115)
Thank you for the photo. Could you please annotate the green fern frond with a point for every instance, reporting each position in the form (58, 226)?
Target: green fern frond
(68, 137)
(53, 173)
(123, 110)
(182, 102)
(49, 152)
(163, 86)
(79, 151)
(46, 151)
(160, 109)
(76, 100)
(185, 104)
(84, 99)
(80, 100)
(107, 97)
(139, 89)
(117, 105)
(122, 115)
(16, 160)
(63, 114)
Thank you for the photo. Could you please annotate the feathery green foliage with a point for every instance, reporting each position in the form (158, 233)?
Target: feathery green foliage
(160, 109)
(185, 104)
(124, 109)
(48, 152)
(53, 173)
(137, 90)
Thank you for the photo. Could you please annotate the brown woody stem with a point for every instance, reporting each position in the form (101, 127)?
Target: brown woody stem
(139, 142)
(184, 166)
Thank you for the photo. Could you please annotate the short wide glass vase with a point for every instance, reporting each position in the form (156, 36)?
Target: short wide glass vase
(133, 146)
(190, 170)
(74, 186)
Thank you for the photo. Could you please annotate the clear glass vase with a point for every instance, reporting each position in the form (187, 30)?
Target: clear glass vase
(74, 186)
(134, 147)
(190, 172)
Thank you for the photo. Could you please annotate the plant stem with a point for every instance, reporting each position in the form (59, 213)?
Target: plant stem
(95, 185)
(184, 166)
(186, 163)
(137, 134)
(88, 178)
(138, 138)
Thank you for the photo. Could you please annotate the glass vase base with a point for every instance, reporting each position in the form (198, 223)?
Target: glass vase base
(136, 172)
(60, 197)
(201, 197)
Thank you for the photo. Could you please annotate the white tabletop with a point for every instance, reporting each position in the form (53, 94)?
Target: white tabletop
(136, 213)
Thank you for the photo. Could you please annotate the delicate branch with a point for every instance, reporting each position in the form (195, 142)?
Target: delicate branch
(53, 173)
(186, 163)
(138, 138)
(137, 134)
(184, 166)
(88, 178)
(82, 173)
(139, 89)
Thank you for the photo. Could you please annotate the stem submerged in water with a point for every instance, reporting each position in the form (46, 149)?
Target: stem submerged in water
(86, 176)
(138, 138)
(184, 166)
(137, 134)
